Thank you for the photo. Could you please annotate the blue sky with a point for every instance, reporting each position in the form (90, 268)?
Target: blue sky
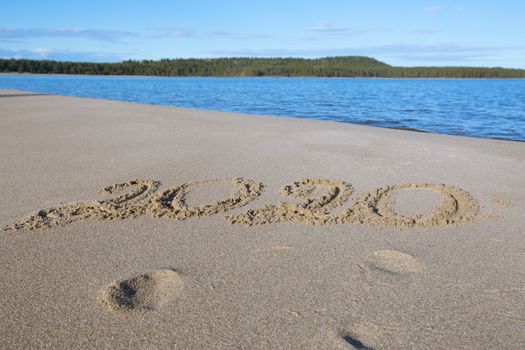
(406, 33)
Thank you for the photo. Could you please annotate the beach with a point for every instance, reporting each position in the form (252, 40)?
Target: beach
(128, 225)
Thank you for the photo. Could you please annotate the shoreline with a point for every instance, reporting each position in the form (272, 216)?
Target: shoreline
(250, 77)
(269, 115)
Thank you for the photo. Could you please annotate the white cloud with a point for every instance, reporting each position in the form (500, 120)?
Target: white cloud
(323, 26)
(41, 50)
(107, 35)
(177, 32)
(424, 30)
(332, 29)
(63, 55)
(433, 9)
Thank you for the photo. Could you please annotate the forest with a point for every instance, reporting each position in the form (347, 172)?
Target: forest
(343, 66)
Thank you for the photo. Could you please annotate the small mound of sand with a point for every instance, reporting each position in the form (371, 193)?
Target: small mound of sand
(317, 196)
(127, 205)
(171, 203)
(500, 201)
(376, 207)
(394, 261)
(147, 291)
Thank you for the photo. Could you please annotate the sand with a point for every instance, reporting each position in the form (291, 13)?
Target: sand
(147, 291)
(134, 226)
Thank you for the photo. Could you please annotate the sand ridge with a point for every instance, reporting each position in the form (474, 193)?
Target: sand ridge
(171, 203)
(127, 205)
(376, 207)
(317, 198)
(140, 198)
(310, 210)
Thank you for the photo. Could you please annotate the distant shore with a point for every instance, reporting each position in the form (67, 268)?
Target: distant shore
(250, 77)
(338, 66)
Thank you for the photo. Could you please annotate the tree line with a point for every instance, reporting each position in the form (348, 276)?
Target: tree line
(344, 66)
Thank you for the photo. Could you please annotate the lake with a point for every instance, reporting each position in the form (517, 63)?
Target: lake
(479, 108)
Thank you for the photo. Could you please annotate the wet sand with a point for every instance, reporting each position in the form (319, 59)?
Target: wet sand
(129, 225)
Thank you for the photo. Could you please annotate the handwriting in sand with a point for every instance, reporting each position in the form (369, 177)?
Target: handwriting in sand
(312, 201)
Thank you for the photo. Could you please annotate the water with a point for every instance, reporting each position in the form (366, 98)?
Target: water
(480, 108)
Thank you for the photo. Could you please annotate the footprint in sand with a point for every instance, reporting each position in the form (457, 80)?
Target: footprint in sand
(394, 261)
(143, 292)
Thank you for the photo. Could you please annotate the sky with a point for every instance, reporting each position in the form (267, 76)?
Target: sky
(401, 33)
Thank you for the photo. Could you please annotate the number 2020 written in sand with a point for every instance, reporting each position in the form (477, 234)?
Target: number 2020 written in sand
(314, 202)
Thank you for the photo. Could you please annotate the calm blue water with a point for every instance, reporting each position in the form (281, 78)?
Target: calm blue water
(481, 108)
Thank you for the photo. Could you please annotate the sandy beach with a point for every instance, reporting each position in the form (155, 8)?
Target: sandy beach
(126, 225)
